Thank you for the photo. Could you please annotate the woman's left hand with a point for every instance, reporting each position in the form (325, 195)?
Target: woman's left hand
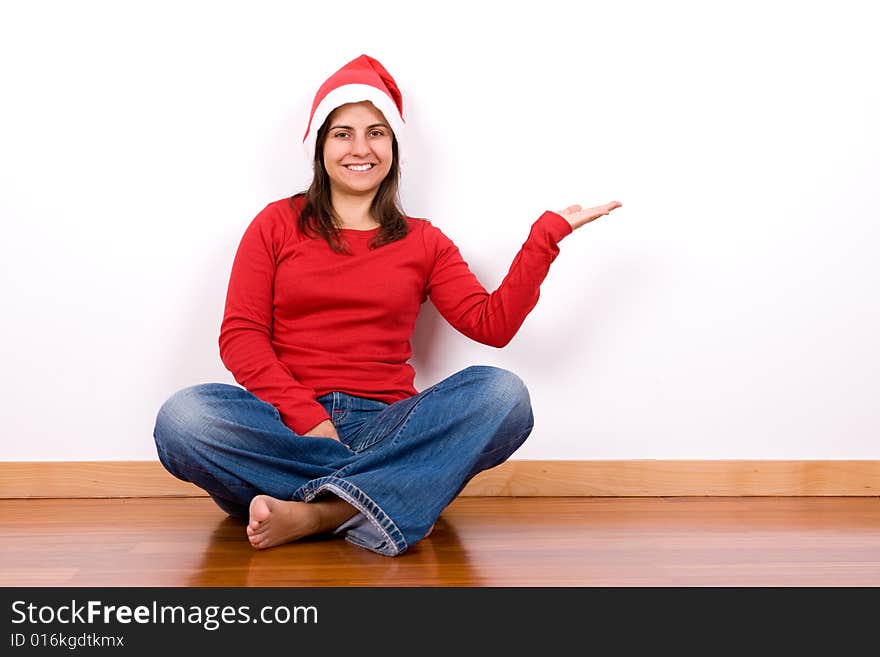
(578, 216)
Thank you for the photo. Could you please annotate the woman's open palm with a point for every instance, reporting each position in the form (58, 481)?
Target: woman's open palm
(578, 216)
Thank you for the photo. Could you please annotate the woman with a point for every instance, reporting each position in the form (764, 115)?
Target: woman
(327, 433)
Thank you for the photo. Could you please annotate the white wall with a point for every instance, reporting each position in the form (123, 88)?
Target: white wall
(728, 310)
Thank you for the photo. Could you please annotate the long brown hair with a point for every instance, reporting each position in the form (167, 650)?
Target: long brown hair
(318, 219)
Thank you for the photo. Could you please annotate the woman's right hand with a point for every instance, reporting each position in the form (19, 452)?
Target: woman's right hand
(325, 429)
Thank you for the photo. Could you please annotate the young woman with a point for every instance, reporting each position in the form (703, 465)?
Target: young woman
(327, 434)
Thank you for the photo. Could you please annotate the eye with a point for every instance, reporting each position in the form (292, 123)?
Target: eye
(377, 133)
(341, 133)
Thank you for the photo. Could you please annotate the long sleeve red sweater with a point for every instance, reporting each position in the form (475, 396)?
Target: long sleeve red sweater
(301, 321)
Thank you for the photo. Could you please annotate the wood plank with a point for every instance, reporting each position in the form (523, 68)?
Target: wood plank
(77, 479)
(664, 478)
(478, 541)
(517, 478)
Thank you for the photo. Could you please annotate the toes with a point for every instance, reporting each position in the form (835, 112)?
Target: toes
(256, 539)
(257, 528)
(261, 543)
(260, 508)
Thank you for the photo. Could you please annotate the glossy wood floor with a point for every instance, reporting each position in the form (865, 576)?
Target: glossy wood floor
(479, 541)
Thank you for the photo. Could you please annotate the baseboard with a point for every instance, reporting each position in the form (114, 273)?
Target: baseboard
(627, 478)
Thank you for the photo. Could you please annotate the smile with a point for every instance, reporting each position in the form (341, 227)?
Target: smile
(359, 167)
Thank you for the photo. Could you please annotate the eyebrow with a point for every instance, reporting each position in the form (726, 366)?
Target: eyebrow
(348, 127)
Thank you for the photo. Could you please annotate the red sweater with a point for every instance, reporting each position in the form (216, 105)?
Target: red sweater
(301, 321)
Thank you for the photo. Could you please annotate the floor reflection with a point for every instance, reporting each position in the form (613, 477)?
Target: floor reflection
(229, 560)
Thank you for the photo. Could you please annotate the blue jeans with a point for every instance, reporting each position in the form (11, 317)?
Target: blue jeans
(398, 464)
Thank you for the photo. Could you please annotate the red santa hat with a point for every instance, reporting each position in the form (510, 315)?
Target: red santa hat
(363, 78)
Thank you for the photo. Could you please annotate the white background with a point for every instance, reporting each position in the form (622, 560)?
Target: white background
(728, 310)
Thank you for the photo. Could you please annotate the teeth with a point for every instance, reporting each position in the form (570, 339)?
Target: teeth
(359, 167)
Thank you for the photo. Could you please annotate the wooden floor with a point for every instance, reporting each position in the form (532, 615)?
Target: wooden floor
(479, 541)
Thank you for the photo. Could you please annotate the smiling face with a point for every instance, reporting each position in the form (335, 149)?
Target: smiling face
(357, 149)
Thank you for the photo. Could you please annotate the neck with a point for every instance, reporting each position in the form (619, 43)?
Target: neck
(353, 211)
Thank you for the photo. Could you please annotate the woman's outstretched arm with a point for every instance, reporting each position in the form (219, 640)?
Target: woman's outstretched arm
(493, 319)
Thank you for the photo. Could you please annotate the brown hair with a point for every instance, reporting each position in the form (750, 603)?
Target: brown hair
(318, 219)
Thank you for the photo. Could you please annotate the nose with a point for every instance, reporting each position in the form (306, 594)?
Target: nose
(360, 144)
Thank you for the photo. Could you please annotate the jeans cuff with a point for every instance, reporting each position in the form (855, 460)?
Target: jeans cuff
(372, 530)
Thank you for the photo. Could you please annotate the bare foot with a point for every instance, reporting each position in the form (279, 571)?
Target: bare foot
(274, 522)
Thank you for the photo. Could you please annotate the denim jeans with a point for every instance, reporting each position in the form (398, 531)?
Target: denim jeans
(398, 464)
